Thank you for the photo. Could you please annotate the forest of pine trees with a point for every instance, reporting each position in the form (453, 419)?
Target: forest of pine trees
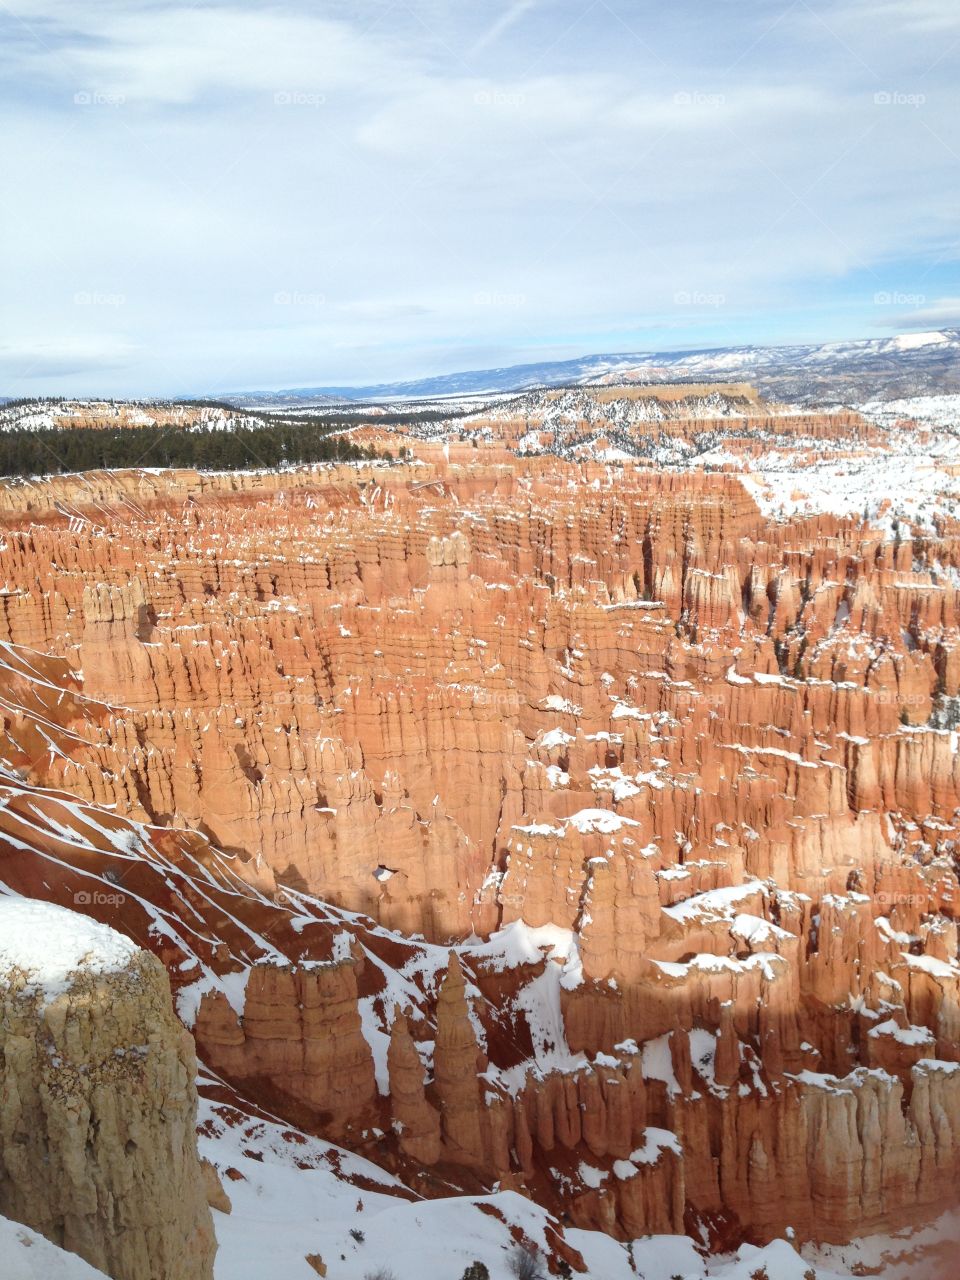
(55, 451)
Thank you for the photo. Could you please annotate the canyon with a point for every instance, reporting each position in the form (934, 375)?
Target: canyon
(566, 812)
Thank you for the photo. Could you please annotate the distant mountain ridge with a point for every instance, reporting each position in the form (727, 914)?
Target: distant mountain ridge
(908, 364)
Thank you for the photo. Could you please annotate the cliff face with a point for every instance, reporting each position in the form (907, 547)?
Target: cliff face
(97, 1119)
(684, 771)
(369, 702)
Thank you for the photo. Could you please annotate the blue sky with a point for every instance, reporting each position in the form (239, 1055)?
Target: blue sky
(224, 196)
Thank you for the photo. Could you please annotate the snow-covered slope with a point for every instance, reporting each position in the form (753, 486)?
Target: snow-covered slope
(54, 414)
(938, 411)
(294, 1196)
(902, 481)
(26, 1255)
(930, 360)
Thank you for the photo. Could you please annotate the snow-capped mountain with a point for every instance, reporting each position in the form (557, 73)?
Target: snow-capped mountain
(909, 364)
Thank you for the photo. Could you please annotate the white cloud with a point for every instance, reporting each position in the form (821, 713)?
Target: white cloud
(178, 54)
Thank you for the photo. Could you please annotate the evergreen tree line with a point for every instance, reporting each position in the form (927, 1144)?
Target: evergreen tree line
(55, 451)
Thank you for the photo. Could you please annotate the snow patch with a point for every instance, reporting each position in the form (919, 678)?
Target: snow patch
(50, 945)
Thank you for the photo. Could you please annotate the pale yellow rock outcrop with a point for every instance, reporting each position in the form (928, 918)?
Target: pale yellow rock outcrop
(98, 1122)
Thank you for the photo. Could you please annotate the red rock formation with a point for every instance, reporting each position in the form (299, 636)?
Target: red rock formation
(416, 1123)
(672, 762)
(300, 1031)
(457, 1063)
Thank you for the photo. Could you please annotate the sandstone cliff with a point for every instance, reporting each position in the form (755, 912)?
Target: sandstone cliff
(97, 1123)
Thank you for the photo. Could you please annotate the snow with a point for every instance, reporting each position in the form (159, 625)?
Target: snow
(539, 829)
(817, 1080)
(299, 1195)
(757, 932)
(903, 1035)
(539, 999)
(557, 777)
(601, 821)
(655, 1142)
(378, 1040)
(901, 480)
(935, 410)
(555, 703)
(911, 341)
(658, 1064)
(27, 1255)
(618, 784)
(519, 943)
(49, 944)
(591, 1177)
(623, 711)
(931, 965)
(703, 1055)
(707, 962)
(938, 1064)
(909, 1255)
(586, 821)
(540, 1002)
(716, 903)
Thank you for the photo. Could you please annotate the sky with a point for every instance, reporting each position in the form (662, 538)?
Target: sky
(222, 196)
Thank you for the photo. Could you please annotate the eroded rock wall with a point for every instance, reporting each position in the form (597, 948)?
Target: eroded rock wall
(97, 1122)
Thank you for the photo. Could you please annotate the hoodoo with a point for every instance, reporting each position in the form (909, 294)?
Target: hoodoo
(542, 826)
